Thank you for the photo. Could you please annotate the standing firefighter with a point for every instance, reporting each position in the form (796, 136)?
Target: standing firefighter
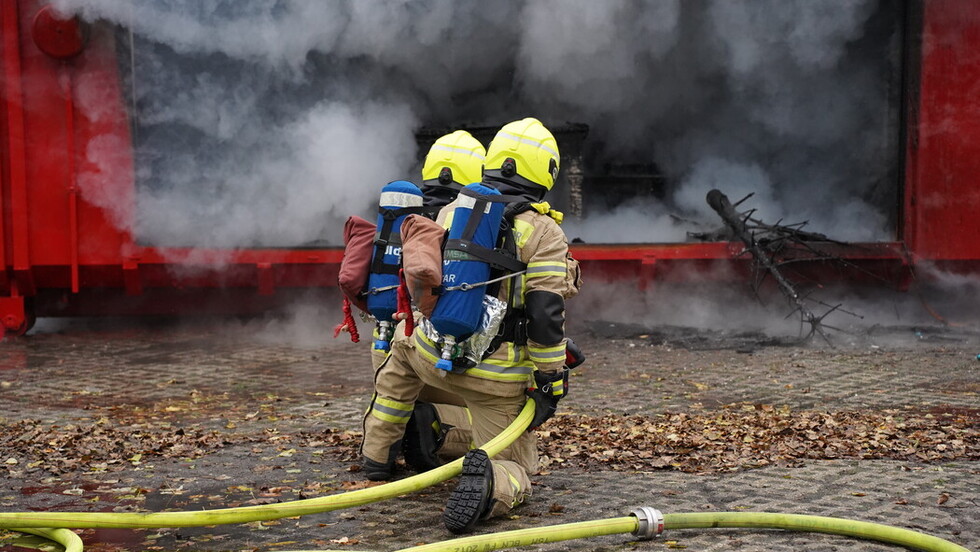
(531, 275)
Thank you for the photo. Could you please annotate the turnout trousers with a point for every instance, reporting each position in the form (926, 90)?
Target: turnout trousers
(449, 407)
(492, 406)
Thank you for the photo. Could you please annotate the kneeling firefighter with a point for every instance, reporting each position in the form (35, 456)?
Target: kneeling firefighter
(438, 427)
(517, 341)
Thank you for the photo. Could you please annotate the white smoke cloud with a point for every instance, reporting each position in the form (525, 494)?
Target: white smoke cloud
(268, 123)
(635, 222)
(99, 178)
(704, 299)
(332, 166)
(738, 181)
(714, 299)
(801, 119)
(591, 55)
(261, 31)
(955, 284)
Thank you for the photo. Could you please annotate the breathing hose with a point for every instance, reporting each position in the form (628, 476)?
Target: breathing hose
(644, 523)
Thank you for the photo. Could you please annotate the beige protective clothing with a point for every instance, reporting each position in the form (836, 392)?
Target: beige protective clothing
(450, 408)
(494, 389)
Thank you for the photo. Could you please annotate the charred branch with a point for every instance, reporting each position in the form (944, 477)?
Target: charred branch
(769, 245)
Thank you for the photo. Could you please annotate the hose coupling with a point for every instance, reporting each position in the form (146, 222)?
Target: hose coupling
(651, 522)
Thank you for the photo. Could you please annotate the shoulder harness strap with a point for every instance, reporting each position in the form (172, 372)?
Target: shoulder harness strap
(384, 237)
(464, 248)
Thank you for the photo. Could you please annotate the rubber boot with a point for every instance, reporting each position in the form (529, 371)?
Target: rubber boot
(381, 471)
(424, 436)
(471, 500)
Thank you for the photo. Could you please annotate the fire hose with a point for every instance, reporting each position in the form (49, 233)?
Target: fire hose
(644, 523)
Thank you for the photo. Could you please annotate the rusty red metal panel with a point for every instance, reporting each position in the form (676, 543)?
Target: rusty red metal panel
(43, 107)
(16, 178)
(77, 150)
(12, 315)
(723, 250)
(5, 72)
(266, 278)
(942, 183)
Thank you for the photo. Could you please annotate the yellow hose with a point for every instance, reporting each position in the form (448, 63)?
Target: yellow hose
(758, 520)
(69, 540)
(245, 514)
(814, 524)
(536, 535)
(524, 537)
(54, 525)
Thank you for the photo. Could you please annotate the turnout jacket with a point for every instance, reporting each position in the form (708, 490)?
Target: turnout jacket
(552, 275)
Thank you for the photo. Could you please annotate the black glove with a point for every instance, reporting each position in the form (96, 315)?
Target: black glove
(550, 388)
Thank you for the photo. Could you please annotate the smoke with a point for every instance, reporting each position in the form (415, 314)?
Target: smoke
(715, 310)
(634, 222)
(794, 101)
(697, 303)
(297, 183)
(267, 123)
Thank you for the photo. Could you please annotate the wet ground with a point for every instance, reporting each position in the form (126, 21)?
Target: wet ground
(126, 416)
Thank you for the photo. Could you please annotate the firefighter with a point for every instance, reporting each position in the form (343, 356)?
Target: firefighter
(522, 163)
(439, 426)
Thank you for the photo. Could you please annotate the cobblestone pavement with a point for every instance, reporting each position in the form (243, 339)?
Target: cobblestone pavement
(274, 378)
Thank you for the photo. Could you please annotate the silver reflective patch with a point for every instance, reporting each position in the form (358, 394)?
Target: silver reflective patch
(490, 320)
(429, 330)
(493, 315)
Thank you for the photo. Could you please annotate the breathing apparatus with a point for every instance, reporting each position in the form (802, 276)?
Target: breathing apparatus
(465, 270)
(398, 200)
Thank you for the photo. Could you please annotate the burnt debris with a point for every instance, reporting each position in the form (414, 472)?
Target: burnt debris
(774, 246)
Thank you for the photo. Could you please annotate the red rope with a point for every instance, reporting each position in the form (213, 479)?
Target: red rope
(405, 304)
(348, 325)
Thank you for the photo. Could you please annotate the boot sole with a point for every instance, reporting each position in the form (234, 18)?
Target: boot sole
(378, 476)
(469, 500)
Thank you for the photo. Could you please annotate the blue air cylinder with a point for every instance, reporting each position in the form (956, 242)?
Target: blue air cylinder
(382, 290)
(457, 313)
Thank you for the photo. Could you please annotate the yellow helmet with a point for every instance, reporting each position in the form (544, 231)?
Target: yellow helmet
(456, 157)
(524, 152)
